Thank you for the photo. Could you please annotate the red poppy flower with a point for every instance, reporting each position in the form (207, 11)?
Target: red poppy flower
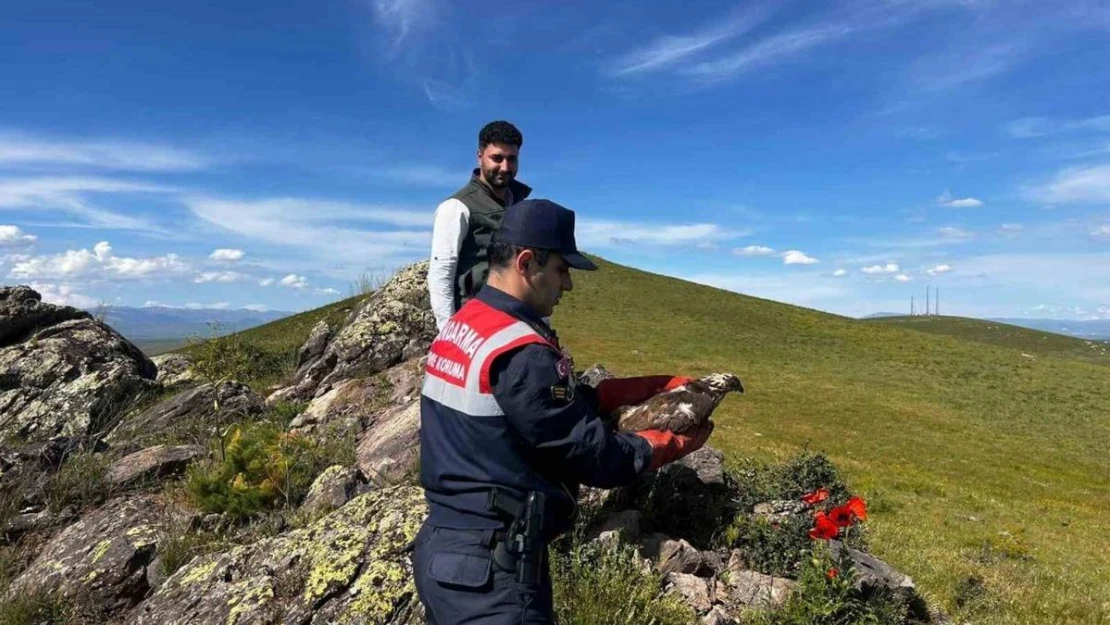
(832, 573)
(858, 507)
(842, 516)
(823, 527)
(817, 496)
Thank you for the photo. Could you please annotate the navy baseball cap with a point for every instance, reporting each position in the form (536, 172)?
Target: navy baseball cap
(543, 224)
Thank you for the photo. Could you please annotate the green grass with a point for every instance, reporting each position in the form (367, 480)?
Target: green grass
(978, 462)
(277, 342)
(984, 469)
(1032, 342)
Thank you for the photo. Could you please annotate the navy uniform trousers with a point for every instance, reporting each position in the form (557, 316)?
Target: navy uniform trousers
(459, 584)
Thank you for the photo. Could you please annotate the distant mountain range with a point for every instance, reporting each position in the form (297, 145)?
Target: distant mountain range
(163, 323)
(1095, 330)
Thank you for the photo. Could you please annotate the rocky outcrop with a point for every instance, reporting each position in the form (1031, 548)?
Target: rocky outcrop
(99, 560)
(390, 449)
(334, 487)
(392, 325)
(61, 371)
(194, 415)
(351, 566)
(158, 462)
(175, 371)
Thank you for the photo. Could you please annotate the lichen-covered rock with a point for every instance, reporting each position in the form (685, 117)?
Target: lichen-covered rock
(393, 324)
(754, 590)
(61, 371)
(314, 347)
(356, 404)
(175, 371)
(101, 558)
(335, 486)
(697, 592)
(351, 566)
(156, 462)
(390, 449)
(188, 415)
(872, 573)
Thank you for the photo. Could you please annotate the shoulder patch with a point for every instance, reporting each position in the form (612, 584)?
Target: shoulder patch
(563, 367)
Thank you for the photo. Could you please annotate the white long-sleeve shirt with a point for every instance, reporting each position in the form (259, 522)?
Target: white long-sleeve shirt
(452, 220)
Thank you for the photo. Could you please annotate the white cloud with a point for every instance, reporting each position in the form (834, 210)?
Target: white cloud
(880, 269)
(256, 307)
(226, 254)
(267, 282)
(1102, 232)
(99, 264)
(1030, 127)
(939, 269)
(1079, 185)
(327, 291)
(64, 295)
(23, 150)
(840, 272)
(403, 18)
(902, 277)
(208, 306)
(953, 233)
(13, 236)
(668, 50)
(220, 276)
(1011, 228)
(796, 257)
(594, 233)
(294, 281)
(754, 250)
(946, 199)
(343, 236)
(69, 195)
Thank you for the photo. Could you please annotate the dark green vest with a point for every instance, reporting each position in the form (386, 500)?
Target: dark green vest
(486, 212)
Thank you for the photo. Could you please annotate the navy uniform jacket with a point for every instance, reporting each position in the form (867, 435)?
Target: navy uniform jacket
(549, 438)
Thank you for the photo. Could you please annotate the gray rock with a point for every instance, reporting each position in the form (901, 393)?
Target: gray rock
(175, 371)
(61, 371)
(390, 449)
(335, 486)
(314, 347)
(393, 324)
(756, 590)
(352, 566)
(101, 558)
(156, 462)
(718, 616)
(872, 573)
(623, 525)
(190, 415)
(697, 592)
(356, 404)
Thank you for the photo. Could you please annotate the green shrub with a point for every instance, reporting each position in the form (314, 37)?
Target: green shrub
(261, 467)
(772, 546)
(596, 584)
(825, 598)
(804, 473)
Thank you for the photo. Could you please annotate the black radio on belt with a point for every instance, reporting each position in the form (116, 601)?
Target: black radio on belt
(522, 548)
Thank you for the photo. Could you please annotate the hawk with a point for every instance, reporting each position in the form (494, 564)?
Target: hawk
(680, 409)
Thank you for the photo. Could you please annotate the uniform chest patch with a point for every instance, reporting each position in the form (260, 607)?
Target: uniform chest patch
(563, 367)
(564, 390)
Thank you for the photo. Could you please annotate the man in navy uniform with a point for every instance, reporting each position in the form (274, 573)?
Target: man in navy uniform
(500, 413)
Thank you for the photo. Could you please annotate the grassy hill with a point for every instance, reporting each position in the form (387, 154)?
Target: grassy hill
(1032, 342)
(986, 469)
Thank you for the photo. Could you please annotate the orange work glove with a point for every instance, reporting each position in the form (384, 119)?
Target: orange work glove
(616, 392)
(668, 446)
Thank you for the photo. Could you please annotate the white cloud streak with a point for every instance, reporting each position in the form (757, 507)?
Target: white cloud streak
(880, 269)
(946, 199)
(224, 254)
(597, 233)
(64, 295)
(754, 250)
(1078, 185)
(23, 150)
(68, 194)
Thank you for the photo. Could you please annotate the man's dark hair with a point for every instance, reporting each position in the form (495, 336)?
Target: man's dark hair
(499, 132)
(502, 254)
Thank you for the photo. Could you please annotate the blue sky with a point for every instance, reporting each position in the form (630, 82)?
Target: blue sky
(841, 156)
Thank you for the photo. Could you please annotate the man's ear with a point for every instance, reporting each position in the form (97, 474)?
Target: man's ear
(523, 261)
